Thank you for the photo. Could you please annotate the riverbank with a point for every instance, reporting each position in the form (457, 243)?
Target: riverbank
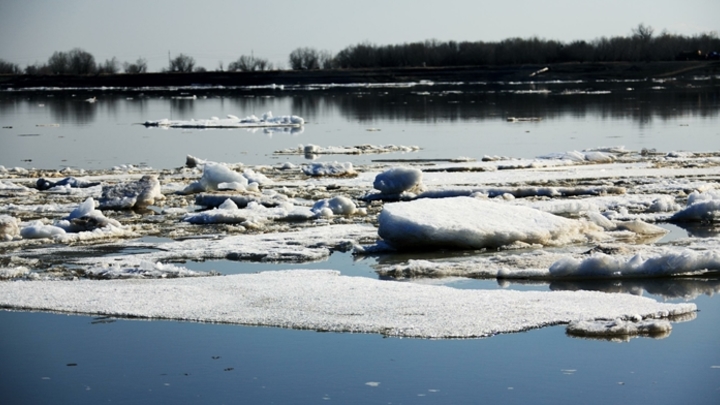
(527, 73)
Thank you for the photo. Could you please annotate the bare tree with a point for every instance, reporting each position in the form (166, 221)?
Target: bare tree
(643, 33)
(249, 64)
(182, 64)
(59, 63)
(110, 66)
(8, 68)
(140, 66)
(304, 59)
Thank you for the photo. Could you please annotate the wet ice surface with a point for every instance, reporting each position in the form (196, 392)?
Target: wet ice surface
(559, 218)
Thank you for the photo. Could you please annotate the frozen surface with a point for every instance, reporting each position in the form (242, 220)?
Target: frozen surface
(325, 301)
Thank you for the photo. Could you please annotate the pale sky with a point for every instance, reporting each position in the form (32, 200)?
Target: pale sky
(215, 31)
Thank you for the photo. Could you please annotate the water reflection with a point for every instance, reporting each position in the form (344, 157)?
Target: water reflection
(642, 104)
(668, 288)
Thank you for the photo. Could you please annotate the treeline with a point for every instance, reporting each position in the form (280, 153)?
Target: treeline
(641, 46)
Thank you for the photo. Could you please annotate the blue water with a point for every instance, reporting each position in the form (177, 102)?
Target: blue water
(51, 358)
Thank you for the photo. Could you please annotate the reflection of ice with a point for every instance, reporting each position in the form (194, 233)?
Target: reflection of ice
(686, 288)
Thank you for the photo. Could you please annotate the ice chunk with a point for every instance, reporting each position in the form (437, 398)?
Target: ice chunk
(39, 230)
(329, 169)
(9, 228)
(213, 175)
(700, 207)
(338, 205)
(619, 327)
(687, 262)
(398, 180)
(469, 223)
(44, 184)
(137, 194)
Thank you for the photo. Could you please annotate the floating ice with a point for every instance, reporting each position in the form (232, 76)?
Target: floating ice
(137, 194)
(232, 121)
(398, 180)
(218, 176)
(73, 182)
(469, 223)
(338, 205)
(138, 270)
(39, 230)
(346, 150)
(9, 228)
(325, 301)
(335, 169)
(687, 262)
(585, 156)
(253, 215)
(620, 328)
(700, 207)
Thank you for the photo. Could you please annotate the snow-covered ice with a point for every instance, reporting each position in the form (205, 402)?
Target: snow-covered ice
(326, 301)
(136, 194)
(267, 120)
(470, 223)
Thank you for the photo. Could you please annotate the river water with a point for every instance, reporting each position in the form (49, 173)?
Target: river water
(56, 358)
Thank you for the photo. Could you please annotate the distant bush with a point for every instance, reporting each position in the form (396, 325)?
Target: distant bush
(249, 64)
(140, 66)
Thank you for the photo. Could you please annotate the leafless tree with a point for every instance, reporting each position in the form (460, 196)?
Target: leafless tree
(140, 66)
(181, 64)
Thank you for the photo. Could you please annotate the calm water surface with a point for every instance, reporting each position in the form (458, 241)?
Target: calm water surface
(55, 358)
(58, 129)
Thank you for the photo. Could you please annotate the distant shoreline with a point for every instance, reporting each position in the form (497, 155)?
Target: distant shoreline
(491, 74)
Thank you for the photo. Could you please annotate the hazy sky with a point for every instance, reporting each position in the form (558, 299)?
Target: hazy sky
(215, 31)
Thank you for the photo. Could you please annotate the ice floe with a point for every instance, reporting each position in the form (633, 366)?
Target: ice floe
(470, 223)
(325, 301)
(333, 169)
(136, 194)
(267, 120)
(72, 182)
(310, 150)
(8, 227)
(218, 176)
(700, 207)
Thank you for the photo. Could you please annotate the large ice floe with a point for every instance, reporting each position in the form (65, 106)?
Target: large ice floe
(267, 120)
(115, 241)
(470, 223)
(326, 301)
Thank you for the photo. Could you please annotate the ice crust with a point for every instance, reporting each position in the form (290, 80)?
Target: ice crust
(325, 301)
